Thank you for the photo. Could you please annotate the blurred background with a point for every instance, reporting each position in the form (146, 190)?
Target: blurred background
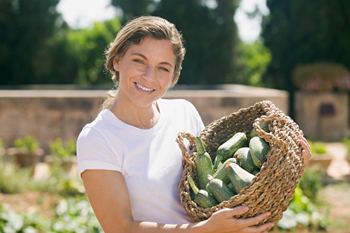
(250, 42)
(293, 52)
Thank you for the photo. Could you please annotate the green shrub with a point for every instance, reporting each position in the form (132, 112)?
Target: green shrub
(12, 222)
(14, 179)
(64, 150)
(311, 182)
(346, 143)
(317, 147)
(27, 144)
(73, 216)
(303, 212)
(321, 76)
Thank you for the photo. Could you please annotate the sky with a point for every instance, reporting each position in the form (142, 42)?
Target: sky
(81, 13)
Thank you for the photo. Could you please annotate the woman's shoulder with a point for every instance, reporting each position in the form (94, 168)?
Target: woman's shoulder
(176, 103)
(99, 125)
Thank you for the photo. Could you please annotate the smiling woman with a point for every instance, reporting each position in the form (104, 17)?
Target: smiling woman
(128, 156)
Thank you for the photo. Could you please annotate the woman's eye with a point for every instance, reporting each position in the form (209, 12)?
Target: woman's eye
(164, 69)
(138, 61)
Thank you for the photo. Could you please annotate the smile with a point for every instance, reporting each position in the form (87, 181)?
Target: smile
(143, 88)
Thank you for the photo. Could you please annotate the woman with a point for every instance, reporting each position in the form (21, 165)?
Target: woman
(128, 158)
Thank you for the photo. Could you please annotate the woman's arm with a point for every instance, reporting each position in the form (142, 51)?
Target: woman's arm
(109, 198)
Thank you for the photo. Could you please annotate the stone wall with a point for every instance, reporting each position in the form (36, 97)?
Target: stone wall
(48, 114)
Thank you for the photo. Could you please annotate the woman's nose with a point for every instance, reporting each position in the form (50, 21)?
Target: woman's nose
(149, 74)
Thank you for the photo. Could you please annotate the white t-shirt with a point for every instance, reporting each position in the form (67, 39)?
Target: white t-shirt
(149, 159)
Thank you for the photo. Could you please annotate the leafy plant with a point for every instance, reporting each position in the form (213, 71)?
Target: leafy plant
(27, 144)
(1, 144)
(71, 216)
(12, 222)
(75, 216)
(64, 150)
(322, 76)
(311, 182)
(302, 211)
(317, 147)
(346, 143)
(14, 179)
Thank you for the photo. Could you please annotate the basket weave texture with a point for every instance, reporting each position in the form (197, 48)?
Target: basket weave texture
(273, 187)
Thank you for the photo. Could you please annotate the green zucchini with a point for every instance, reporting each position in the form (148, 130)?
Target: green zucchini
(204, 165)
(255, 171)
(239, 177)
(264, 126)
(244, 159)
(220, 173)
(230, 185)
(202, 197)
(220, 190)
(228, 148)
(258, 149)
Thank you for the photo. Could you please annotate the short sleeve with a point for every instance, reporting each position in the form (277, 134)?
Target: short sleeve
(197, 120)
(94, 152)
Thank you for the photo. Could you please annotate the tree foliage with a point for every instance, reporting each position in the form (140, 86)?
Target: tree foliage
(252, 61)
(302, 32)
(25, 26)
(209, 31)
(86, 50)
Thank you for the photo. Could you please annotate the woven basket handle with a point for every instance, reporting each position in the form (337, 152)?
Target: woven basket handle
(180, 140)
(278, 120)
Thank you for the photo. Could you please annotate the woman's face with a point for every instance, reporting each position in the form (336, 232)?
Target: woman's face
(145, 71)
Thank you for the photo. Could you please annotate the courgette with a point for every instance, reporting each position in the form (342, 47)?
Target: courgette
(264, 126)
(228, 148)
(202, 197)
(230, 185)
(239, 177)
(244, 159)
(258, 149)
(220, 173)
(220, 190)
(204, 165)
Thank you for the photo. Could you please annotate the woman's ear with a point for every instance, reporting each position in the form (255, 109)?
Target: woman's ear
(116, 63)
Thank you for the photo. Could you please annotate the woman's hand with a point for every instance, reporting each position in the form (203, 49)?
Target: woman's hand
(223, 221)
(306, 152)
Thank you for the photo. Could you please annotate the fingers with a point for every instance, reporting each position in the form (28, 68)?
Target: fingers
(262, 228)
(306, 152)
(304, 144)
(229, 213)
(254, 220)
(224, 219)
(306, 158)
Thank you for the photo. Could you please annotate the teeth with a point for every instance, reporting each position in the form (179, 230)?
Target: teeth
(143, 88)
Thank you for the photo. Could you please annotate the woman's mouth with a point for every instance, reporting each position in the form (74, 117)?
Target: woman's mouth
(144, 88)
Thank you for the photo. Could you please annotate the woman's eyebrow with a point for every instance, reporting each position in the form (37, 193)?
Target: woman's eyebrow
(143, 56)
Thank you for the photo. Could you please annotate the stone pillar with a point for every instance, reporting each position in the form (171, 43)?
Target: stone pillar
(322, 116)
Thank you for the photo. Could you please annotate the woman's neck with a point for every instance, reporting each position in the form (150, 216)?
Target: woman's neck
(140, 117)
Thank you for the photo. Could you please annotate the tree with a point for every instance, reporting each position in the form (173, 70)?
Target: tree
(209, 31)
(252, 61)
(132, 8)
(25, 26)
(88, 46)
(301, 32)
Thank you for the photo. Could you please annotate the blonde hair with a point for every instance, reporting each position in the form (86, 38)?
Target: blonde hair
(133, 33)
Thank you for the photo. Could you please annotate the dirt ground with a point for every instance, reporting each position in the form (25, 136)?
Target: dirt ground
(336, 193)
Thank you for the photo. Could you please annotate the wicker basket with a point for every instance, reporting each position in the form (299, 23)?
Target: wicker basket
(273, 187)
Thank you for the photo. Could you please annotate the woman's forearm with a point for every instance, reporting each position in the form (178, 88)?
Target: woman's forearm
(152, 227)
